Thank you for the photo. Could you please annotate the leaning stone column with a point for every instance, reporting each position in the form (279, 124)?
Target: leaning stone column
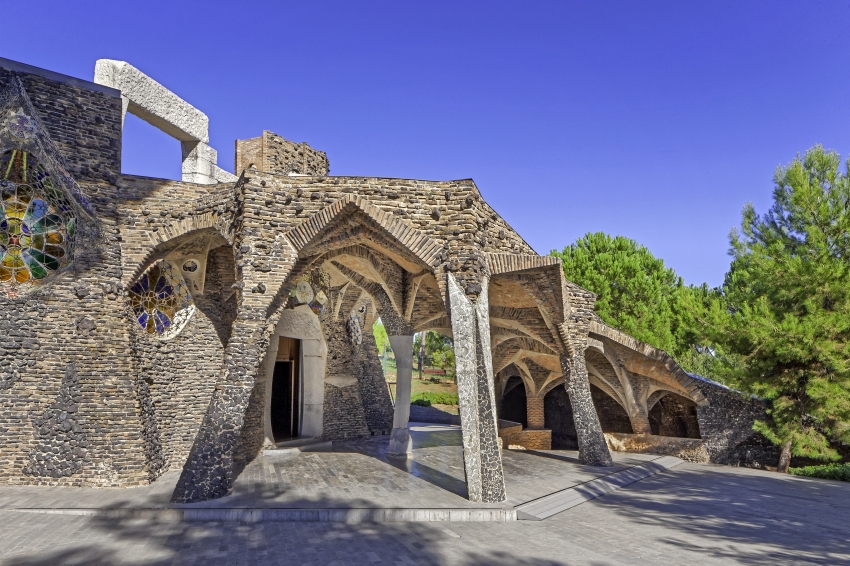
(592, 448)
(482, 459)
(400, 443)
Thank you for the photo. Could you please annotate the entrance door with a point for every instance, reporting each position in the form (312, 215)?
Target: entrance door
(286, 390)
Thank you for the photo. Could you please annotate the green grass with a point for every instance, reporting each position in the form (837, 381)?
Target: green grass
(826, 472)
(435, 398)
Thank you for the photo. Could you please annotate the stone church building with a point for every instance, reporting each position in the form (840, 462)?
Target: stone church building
(151, 324)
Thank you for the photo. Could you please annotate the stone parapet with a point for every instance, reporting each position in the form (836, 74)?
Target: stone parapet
(689, 449)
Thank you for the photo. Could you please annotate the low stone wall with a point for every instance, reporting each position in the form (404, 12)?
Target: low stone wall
(689, 449)
(512, 435)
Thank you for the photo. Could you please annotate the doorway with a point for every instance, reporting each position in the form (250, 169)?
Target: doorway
(286, 390)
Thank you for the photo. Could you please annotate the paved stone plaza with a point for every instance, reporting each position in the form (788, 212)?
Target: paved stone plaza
(695, 514)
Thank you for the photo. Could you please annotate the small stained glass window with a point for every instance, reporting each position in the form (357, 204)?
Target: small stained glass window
(36, 224)
(161, 301)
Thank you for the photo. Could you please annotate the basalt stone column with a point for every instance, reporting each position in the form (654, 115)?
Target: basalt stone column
(400, 443)
(534, 412)
(592, 448)
(474, 369)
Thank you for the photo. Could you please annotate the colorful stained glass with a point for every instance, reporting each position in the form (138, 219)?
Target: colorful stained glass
(36, 226)
(161, 301)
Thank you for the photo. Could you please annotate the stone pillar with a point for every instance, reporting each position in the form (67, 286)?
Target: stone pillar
(640, 424)
(482, 459)
(592, 448)
(401, 445)
(534, 410)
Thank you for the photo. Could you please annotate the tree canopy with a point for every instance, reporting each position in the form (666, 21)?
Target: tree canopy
(780, 323)
(636, 292)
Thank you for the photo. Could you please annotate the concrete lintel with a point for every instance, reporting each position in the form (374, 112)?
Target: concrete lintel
(152, 102)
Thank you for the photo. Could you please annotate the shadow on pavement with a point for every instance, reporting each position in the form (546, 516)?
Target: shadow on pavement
(731, 510)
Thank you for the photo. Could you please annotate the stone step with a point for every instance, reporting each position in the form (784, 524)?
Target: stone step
(258, 515)
(554, 503)
(297, 445)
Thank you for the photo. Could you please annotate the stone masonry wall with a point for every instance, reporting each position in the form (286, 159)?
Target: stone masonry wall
(71, 405)
(273, 154)
(82, 118)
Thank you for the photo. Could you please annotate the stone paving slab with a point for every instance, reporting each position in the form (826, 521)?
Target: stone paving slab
(560, 501)
(698, 514)
(357, 480)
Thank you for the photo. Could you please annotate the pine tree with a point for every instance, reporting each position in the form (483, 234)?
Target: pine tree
(636, 292)
(781, 321)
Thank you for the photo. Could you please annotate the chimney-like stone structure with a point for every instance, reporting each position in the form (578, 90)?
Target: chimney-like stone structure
(271, 153)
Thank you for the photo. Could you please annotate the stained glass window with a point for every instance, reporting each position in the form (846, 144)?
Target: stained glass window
(36, 223)
(161, 301)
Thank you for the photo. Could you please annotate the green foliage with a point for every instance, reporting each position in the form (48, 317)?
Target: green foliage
(635, 292)
(444, 359)
(421, 402)
(827, 472)
(780, 324)
(436, 398)
(381, 339)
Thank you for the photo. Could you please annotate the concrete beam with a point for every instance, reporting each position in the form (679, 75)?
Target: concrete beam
(144, 97)
(152, 102)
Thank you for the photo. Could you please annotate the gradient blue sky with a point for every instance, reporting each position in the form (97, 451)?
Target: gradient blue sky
(654, 120)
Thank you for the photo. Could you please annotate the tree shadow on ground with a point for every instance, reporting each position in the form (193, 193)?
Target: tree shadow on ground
(111, 541)
(742, 516)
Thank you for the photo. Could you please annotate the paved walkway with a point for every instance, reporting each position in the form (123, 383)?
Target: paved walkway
(355, 475)
(694, 514)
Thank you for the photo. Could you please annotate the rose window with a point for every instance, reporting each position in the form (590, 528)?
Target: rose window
(36, 226)
(161, 301)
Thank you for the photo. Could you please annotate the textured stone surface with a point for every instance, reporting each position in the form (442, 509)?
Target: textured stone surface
(144, 97)
(476, 398)
(688, 449)
(270, 152)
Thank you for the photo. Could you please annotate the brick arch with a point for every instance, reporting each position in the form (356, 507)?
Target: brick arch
(166, 246)
(416, 242)
(651, 353)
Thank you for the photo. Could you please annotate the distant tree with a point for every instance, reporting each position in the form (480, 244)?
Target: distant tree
(636, 293)
(781, 321)
(381, 339)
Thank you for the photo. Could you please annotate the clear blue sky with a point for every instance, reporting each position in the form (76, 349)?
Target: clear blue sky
(654, 120)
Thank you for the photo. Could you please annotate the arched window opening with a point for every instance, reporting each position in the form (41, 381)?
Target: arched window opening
(37, 226)
(161, 301)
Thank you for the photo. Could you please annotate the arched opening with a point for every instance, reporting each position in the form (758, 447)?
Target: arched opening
(559, 419)
(612, 416)
(514, 403)
(673, 415)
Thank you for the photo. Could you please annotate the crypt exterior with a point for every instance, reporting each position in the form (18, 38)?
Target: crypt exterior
(151, 325)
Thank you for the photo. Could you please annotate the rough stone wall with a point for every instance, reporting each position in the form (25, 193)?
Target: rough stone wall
(72, 414)
(273, 154)
(612, 417)
(83, 119)
(375, 395)
(344, 415)
(726, 422)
